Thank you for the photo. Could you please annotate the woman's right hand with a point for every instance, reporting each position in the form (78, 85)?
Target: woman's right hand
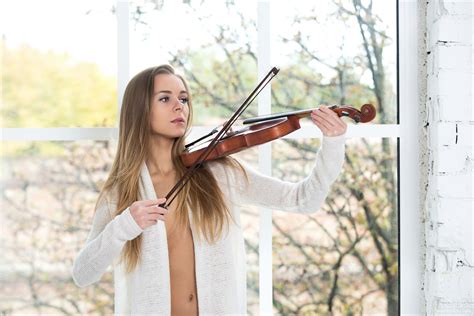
(148, 212)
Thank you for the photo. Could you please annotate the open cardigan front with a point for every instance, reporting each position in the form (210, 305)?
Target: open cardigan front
(220, 267)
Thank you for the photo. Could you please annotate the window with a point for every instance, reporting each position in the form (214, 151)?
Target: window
(60, 69)
(54, 161)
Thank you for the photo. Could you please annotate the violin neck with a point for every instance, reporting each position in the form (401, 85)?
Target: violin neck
(263, 118)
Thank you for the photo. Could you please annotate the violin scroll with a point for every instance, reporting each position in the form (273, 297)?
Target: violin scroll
(266, 128)
(366, 113)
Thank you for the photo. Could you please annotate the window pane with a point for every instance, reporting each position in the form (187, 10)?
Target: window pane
(335, 53)
(250, 220)
(344, 257)
(216, 53)
(59, 64)
(48, 197)
(49, 194)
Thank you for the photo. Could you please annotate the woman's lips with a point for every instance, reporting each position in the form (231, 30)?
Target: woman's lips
(178, 121)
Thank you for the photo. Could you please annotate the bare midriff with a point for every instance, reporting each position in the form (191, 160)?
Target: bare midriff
(182, 271)
(184, 300)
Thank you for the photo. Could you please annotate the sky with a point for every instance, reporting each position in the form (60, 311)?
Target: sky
(87, 29)
(63, 26)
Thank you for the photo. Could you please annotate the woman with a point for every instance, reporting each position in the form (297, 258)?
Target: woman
(188, 259)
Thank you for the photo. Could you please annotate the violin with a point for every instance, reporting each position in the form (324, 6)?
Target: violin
(263, 129)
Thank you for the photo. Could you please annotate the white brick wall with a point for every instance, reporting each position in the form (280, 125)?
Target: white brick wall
(449, 155)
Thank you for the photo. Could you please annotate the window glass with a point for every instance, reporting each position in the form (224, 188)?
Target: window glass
(49, 191)
(59, 64)
(212, 43)
(48, 197)
(335, 53)
(342, 258)
(59, 70)
(250, 220)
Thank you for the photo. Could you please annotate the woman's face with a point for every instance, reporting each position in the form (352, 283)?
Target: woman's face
(169, 107)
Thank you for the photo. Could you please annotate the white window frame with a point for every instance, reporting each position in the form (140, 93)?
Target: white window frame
(407, 132)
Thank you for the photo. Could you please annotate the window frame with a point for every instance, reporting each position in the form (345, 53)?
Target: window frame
(406, 131)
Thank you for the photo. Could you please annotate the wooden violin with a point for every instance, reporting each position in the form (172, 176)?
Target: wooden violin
(227, 142)
(267, 128)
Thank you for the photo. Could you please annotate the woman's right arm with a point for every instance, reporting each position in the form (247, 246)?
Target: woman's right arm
(104, 243)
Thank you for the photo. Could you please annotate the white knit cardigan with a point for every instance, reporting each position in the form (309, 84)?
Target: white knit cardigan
(220, 267)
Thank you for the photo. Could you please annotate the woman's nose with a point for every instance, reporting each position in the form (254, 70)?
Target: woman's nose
(178, 105)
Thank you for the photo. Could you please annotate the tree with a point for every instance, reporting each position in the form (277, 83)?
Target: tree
(365, 234)
(47, 89)
(47, 204)
(342, 260)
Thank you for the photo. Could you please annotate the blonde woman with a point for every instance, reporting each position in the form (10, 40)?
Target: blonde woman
(188, 259)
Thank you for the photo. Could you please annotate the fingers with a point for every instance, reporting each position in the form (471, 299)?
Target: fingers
(323, 123)
(156, 213)
(153, 202)
(328, 121)
(148, 212)
(153, 219)
(328, 117)
(157, 210)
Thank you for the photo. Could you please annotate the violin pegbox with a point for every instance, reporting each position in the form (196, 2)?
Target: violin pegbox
(366, 113)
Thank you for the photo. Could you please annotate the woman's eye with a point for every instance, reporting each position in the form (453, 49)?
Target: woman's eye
(163, 99)
(184, 100)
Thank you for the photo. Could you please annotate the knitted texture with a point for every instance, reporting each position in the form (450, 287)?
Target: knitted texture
(220, 267)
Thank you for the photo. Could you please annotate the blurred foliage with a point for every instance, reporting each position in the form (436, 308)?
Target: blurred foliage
(48, 89)
(218, 87)
(341, 260)
(46, 216)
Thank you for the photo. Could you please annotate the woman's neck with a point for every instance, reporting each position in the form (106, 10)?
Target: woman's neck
(160, 160)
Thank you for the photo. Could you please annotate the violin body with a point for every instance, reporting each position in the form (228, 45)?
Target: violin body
(267, 128)
(255, 134)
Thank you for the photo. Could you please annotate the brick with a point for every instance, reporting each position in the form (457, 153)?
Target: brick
(442, 133)
(454, 308)
(449, 286)
(453, 81)
(449, 30)
(452, 8)
(465, 133)
(451, 282)
(454, 159)
(458, 7)
(455, 57)
(456, 186)
(453, 287)
(453, 107)
(455, 220)
(451, 133)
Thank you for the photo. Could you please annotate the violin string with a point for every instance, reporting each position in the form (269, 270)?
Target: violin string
(256, 94)
(190, 171)
(201, 142)
(187, 176)
(190, 145)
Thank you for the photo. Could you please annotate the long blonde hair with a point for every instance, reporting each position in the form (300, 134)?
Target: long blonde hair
(202, 194)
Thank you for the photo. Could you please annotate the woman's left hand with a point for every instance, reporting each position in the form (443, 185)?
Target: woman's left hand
(328, 121)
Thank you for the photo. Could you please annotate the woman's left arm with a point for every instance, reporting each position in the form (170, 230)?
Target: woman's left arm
(305, 196)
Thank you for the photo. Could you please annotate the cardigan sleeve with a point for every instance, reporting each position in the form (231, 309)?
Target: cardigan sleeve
(104, 243)
(305, 196)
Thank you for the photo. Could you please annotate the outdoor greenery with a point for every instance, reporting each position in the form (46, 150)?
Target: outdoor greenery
(48, 89)
(343, 259)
